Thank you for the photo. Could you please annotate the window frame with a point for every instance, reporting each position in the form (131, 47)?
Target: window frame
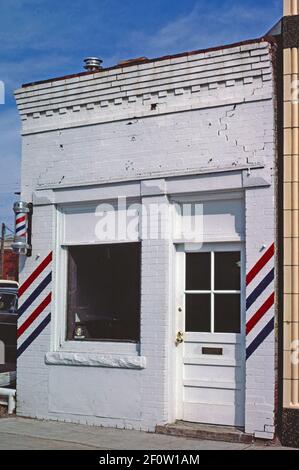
(70, 322)
(59, 342)
(212, 292)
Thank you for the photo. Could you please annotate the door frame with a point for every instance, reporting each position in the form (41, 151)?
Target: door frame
(179, 303)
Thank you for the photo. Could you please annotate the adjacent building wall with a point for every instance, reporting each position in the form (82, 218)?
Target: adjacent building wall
(291, 223)
(11, 263)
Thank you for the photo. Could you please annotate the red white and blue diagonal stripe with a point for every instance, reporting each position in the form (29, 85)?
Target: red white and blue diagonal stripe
(21, 225)
(260, 301)
(33, 312)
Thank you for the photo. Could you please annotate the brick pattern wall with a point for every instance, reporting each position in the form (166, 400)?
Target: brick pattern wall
(290, 419)
(184, 116)
(11, 266)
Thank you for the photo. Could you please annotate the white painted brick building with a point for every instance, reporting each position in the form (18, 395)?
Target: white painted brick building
(194, 128)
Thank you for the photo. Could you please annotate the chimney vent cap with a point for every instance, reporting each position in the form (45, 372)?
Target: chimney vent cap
(93, 64)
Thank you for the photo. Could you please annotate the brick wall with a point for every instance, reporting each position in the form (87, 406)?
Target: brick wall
(11, 266)
(205, 115)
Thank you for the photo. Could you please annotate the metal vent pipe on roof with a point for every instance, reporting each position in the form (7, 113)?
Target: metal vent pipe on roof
(93, 64)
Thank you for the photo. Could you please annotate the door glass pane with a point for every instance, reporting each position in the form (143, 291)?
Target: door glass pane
(198, 313)
(227, 313)
(227, 270)
(198, 271)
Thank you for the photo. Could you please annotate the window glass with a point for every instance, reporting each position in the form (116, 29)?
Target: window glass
(198, 313)
(227, 313)
(198, 271)
(227, 270)
(104, 293)
(8, 303)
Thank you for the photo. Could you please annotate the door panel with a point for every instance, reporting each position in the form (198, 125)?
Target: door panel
(201, 413)
(218, 380)
(219, 395)
(201, 349)
(212, 373)
(212, 320)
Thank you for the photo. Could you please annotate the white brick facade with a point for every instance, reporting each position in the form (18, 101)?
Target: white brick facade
(195, 124)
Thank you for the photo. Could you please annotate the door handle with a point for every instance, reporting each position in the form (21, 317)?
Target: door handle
(179, 338)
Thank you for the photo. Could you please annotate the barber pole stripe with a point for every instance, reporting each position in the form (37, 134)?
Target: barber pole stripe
(20, 219)
(21, 226)
(262, 307)
(34, 318)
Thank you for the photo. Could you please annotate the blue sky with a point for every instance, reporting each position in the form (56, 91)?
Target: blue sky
(47, 38)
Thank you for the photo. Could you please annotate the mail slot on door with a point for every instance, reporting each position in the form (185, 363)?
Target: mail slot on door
(212, 351)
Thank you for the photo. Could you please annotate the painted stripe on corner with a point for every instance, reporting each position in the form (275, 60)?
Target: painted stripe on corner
(260, 264)
(260, 289)
(35, 273)
(35, 294)
(260, 339)
(260, 313)
(34, 335)
(34, 315)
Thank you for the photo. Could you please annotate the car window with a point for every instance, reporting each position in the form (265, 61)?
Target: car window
(8, 303)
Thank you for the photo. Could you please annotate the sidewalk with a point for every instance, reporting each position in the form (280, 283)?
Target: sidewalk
(20, 433)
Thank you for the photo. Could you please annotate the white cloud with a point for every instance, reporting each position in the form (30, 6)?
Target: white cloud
(202, 27)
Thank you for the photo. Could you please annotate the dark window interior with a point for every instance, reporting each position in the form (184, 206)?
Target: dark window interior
(104, 293)
(227, 313)
(198, 313)
(198, 271)
(227, 270)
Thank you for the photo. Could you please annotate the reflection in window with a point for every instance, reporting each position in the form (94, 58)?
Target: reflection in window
(8, 303)
(227, 271)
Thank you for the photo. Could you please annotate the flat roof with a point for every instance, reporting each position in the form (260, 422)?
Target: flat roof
(131, 62)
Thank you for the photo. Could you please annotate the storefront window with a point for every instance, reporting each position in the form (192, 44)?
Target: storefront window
(104, 293)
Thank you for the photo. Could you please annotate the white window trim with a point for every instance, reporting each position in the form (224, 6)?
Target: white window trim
(95, 360)
(100, 347)
(83, 208)
(223, 246)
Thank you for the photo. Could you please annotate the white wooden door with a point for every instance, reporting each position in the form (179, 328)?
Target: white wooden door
(211, 335)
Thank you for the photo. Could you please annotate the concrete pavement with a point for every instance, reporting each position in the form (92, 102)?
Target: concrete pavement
(20, 433)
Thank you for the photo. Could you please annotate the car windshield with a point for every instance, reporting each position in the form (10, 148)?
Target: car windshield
(8, 303)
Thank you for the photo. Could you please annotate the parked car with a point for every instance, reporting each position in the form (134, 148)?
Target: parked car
(8, 322)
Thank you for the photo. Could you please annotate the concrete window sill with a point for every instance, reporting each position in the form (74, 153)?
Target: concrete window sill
(95, 360)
